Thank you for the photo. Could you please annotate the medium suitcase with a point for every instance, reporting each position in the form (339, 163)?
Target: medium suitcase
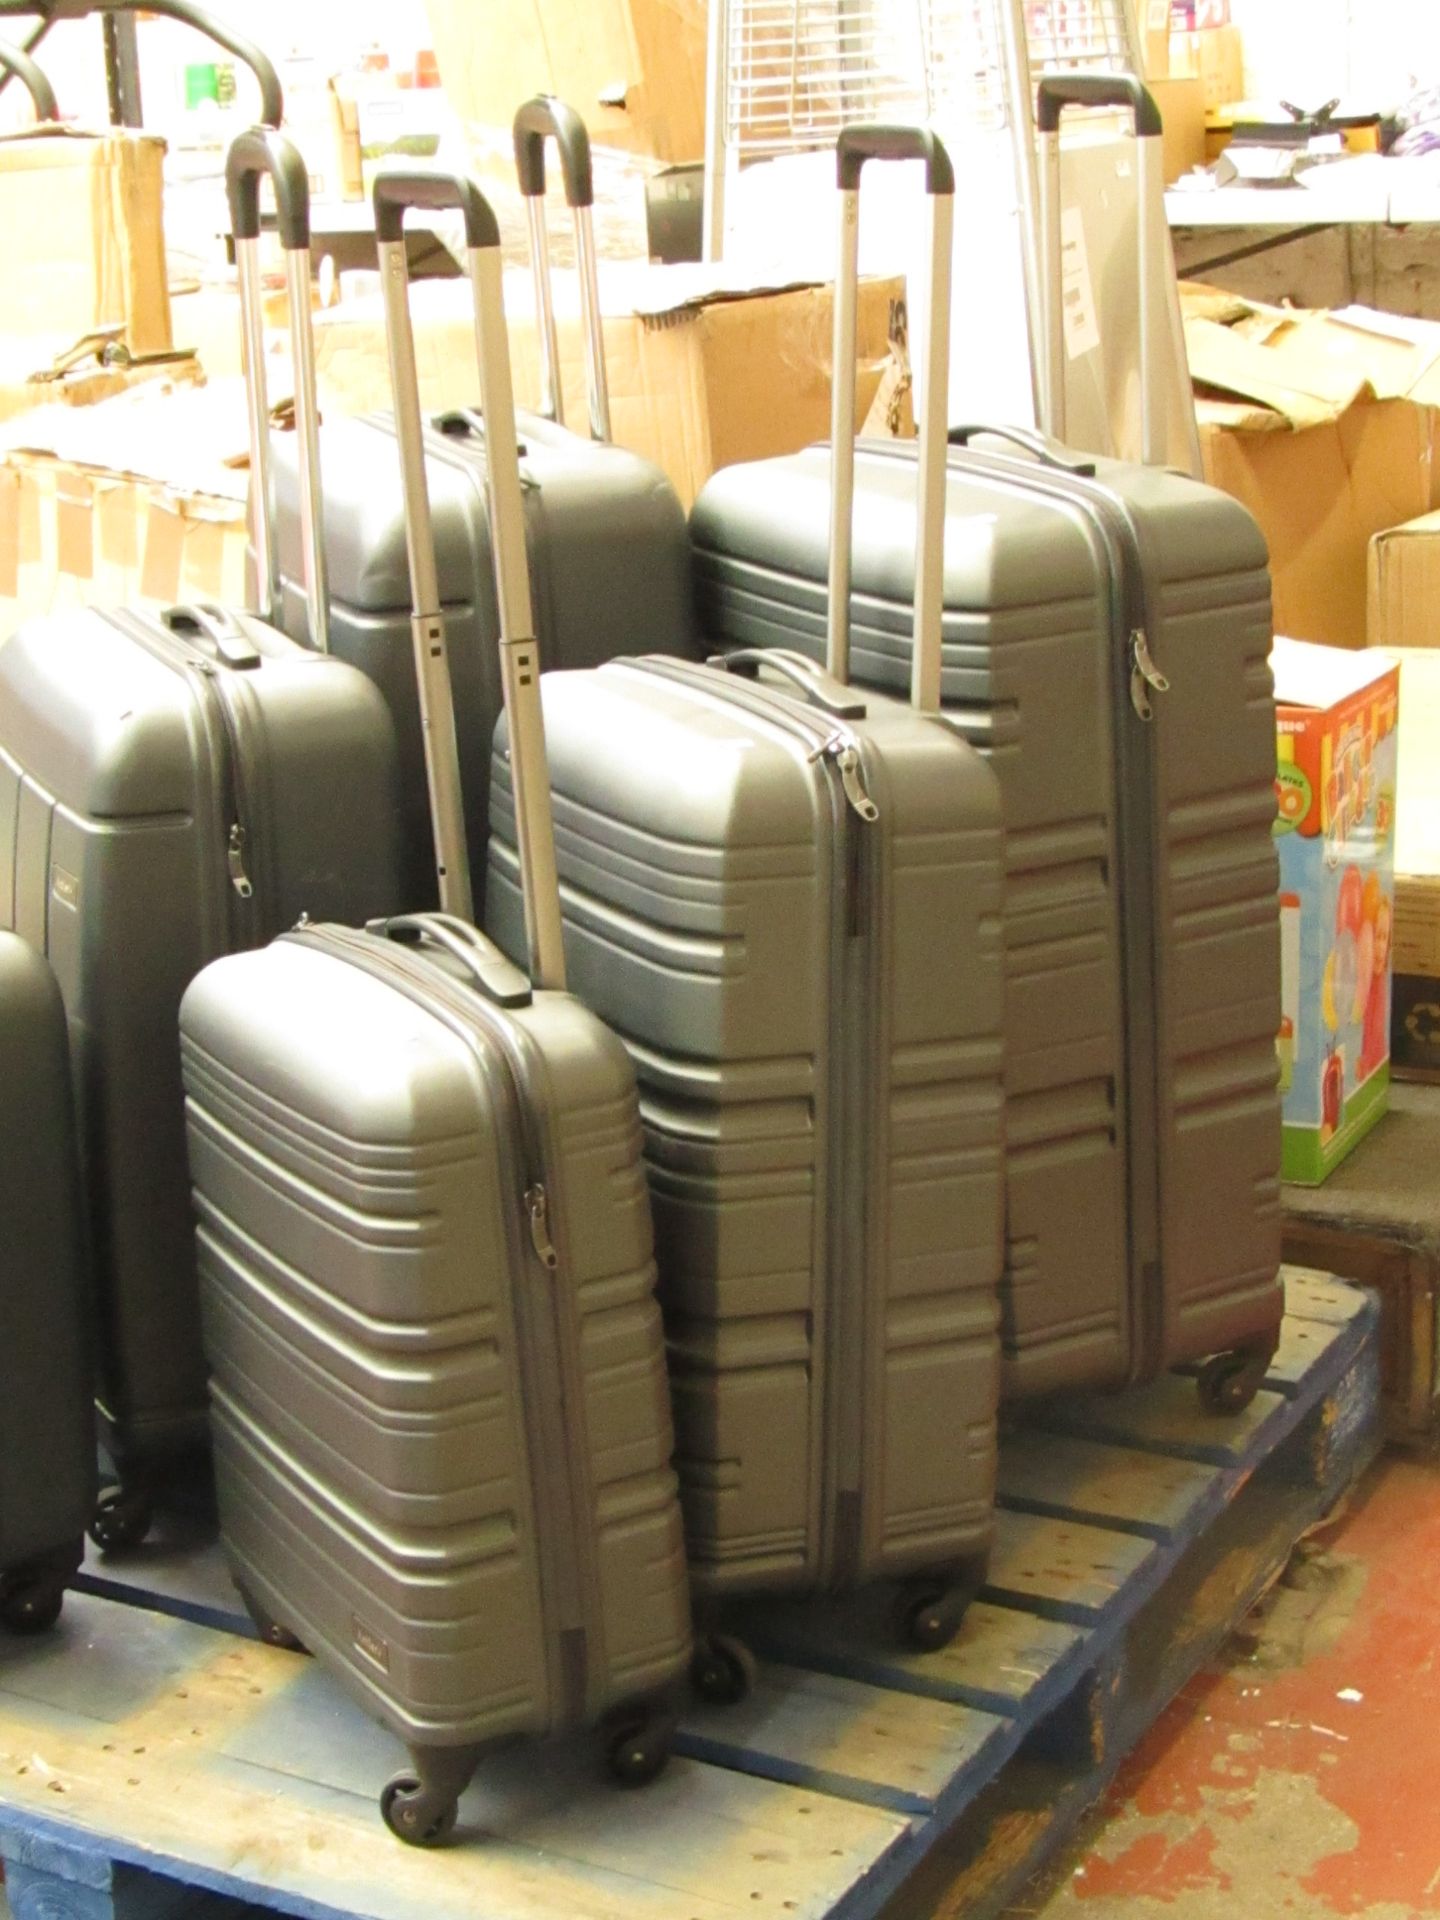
(609, 555)
(173, 785)
(785, 898)
(1106, 638)
(47, 1434)
(441, 1428)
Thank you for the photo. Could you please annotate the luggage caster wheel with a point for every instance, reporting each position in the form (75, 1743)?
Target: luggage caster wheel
(31, 1608)
(1230, 1381)
(723, 1670)
(417, 1816)
(638, 1749)
(930, 1616)
(122, 1519)
(270, 1631)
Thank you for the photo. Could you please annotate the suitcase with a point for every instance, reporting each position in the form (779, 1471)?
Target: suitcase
(442, 1435)
(173, 785)
(47, 1436)
(785, 897)
(609, 556)
(1106, 637)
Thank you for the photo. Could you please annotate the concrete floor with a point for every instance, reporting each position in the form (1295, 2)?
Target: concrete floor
(1301, 1780)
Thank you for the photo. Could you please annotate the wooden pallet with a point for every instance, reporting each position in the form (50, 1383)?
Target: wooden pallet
(150, 1755)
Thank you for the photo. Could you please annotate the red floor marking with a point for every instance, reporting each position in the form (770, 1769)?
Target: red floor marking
(1155, 1866)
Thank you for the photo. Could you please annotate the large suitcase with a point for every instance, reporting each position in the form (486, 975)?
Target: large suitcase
(785, 897)
(609, 556)
(47, 1435)
(1106, 638)
(441, 1427)
(173, 785)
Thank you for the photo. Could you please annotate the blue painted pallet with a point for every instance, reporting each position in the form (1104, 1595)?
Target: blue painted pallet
(153, 1754)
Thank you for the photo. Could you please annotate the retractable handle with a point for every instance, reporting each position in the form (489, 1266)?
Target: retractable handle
(253, 154)
(541, 119)
(272, 99)
(855, 147)
(1054, 94)
(395, 193)
(32, 79)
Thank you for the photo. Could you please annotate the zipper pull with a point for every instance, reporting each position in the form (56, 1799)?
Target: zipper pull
(538, 1208)
(852, 777)
(1144, 674)
(235, 860)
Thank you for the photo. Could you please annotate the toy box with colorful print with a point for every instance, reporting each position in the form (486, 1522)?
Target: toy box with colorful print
(1335, 835)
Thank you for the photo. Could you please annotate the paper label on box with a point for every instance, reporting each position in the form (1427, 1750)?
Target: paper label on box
(1077, 301)
(1159, 18)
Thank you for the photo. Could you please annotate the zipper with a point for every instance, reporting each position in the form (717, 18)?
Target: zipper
(1135, 838)
(548, 1354)
(848, 1332)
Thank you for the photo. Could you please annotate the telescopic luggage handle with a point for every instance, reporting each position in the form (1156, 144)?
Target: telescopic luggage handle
(395, 193)
(272, 100)
(540, 119)
(855, 147)
(13, 60)
(1054, 94)
(261, 150)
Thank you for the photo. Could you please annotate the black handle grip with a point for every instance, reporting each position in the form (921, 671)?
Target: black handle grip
(1060, 90)
(226, 638)
(272, 99)
(499, 979)
(544, 118)
(816, 686)
(1034, 443)
(34, 81)
(261, 150)
(400, 188)
(856, 145)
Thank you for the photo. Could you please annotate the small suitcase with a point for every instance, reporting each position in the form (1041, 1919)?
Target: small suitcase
(173, 785)
(609, 554)
(442, 1435)
(47, 1434)
(785, 897)
(1106, 639)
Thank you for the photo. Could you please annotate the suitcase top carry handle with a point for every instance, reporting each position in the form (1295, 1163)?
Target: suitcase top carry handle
(32, 79)
(519, 654)
(813, 684)
(256, 152)
(1053, 95)
(499, 979)
(218, 628)
(272, 99)
(1034, 443)
(540, 119)
(855, 147)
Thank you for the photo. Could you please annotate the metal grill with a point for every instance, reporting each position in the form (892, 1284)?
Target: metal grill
(797, 71)
(1070, 34)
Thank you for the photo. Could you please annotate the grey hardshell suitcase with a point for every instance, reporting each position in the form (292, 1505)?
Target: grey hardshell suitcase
(605, 532)
(785, 897)
(442, 1433)
(47, 1432)
(173, 785)
(1107, 629)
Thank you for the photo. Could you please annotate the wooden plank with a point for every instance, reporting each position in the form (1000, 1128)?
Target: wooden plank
(1144, 1493)
(1062, 1568)
(897, 1750)
(1313, 1295)
(1166, 1417)
(1302, 1344)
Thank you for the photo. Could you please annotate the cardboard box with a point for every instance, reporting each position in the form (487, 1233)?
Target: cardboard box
(1182, 113)
(1216, 58)
(1335, 786)
(1415, 1015)
(704, 370)
(1404, 585)
(1324, 426)
(1155, 24)
(82, 215)
(635, 69)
